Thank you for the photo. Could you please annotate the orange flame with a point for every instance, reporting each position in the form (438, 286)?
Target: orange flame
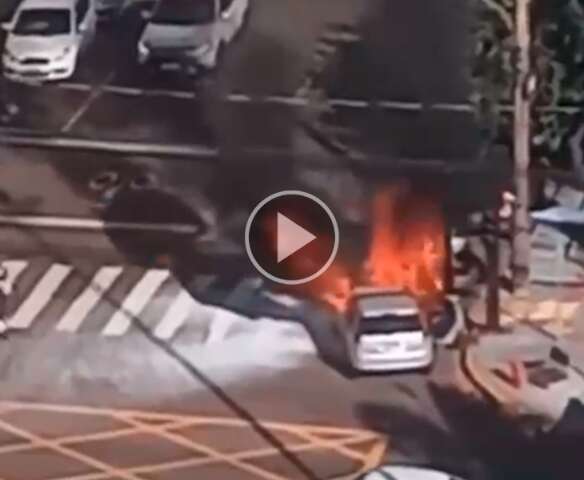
(407, 248)
(333, 286)
(407, 252)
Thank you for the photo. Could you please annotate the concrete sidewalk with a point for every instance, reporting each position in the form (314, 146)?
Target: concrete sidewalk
(528, 372)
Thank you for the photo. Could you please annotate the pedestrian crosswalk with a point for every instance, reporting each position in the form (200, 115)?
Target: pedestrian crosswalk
(110, 300)
(88, 299)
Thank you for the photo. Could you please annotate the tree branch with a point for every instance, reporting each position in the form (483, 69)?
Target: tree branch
(500, 10)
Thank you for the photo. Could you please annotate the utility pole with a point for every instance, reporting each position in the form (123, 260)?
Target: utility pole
(522, 134)
(492, 239)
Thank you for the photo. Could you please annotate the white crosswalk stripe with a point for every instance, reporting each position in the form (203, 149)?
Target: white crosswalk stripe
(40, 296)
(13, 268)
(104, 300)
(88, 299)
(135, 302)
(180, 309)
(221, 323)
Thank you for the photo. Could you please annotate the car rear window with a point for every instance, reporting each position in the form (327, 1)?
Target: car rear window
(389, 324)
(184, 12)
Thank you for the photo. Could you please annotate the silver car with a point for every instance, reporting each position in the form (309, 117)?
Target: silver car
(189, 34)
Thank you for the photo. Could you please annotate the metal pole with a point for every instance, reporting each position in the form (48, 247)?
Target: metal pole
(522, 236)
(492, 247)
(448, 268)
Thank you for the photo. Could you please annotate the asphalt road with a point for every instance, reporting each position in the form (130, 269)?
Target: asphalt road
(107, 378)
(414, 52)
(111, 97)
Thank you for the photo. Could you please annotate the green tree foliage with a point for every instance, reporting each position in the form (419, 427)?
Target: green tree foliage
(558, 63)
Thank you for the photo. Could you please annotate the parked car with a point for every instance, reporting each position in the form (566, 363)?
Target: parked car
(189, 35)
(386, 331)
(403, 472)
(531, 378)
(45, 38)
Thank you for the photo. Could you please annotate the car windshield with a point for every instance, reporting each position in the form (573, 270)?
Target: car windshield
(384, 324)
(184, 12)
(43, 22)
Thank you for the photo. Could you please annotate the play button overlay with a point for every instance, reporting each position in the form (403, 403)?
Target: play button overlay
(291, 237)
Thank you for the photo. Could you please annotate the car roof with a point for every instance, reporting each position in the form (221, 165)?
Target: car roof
(381, 302)
(48, 4)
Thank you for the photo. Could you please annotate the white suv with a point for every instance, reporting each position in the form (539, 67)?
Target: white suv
(187, 34)
(387, 331)
(44, 38)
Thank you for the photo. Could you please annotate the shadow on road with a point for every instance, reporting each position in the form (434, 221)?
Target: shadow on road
(473, 429)
(151, 207)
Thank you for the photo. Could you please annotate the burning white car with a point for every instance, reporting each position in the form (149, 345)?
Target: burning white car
(387, 331)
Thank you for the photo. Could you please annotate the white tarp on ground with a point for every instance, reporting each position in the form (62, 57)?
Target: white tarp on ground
(563, 215)
(556, 257)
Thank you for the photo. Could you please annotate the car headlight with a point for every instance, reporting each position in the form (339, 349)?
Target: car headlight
(64, 53)
(199, 50)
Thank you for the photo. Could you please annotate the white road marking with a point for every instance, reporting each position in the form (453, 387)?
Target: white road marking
(282, 299)
(82, 87)
(221, 322)
(40, 296)
(239, 97)
(176, 315)
(170, 93)
(88, 299)
(123, 90)
(340, 102)
(18, 137)
(95, 94)
(13, 269)
(292, 100)
(135, 302)
(295, 101)
(93, 224)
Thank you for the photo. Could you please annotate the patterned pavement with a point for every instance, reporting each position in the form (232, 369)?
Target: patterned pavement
(42, 442)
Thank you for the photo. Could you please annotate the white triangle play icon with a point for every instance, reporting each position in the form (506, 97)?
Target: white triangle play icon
(291, 237)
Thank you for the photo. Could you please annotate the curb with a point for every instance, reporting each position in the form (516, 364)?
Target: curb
(467, 372)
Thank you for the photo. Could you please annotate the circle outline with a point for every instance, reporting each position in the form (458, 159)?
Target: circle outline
(298, 193)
